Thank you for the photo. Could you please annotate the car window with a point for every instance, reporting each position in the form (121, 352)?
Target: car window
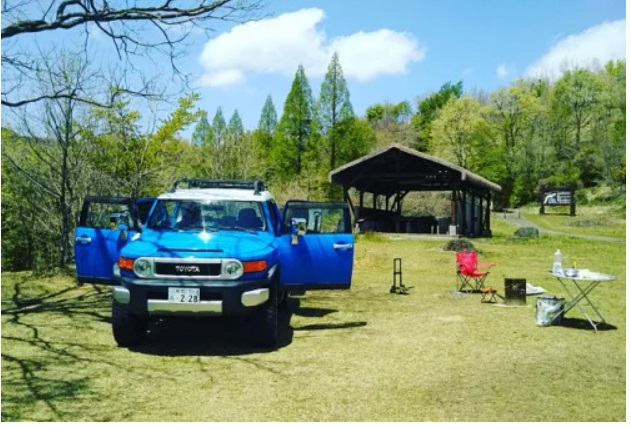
(319, 220)
(208, 214)
(108, 216)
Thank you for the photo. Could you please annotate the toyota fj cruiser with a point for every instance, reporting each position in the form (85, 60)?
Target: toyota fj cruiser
(207, 248)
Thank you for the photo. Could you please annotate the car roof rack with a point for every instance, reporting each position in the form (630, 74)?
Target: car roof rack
(256, 185)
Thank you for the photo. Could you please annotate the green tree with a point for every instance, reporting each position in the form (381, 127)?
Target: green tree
(219, 127)
(28, 241)
(609, 130)
(391, 122)
(512, 112)
(203, 133)
(460, 131)
(264, 135)
(579, 102)
(235, 127)
(295, 128)
(427, 111)
(269, 119)
(51, 158)
(230, 161)
(139, 164)
(334, 106)
(381, 115)
(577, 93)
(357, 139)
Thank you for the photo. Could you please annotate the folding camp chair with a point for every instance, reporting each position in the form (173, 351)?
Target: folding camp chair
(468, 277)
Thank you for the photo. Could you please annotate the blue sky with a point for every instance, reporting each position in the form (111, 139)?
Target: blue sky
(400, 49)
(390, 50)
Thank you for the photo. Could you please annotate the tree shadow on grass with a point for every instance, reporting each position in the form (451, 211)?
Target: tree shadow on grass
(36, 373)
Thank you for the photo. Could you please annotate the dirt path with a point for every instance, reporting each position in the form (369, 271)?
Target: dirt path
(516, 220)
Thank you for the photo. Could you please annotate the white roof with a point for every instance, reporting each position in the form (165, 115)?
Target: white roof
(217, 194)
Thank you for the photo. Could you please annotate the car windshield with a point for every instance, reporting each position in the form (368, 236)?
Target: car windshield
(209, 215)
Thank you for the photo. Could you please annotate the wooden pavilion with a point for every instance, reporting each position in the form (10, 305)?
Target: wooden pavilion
(385, 177)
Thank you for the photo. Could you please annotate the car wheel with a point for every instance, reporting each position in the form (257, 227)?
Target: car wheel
(266, 321)
(283, 301)
(129, 329)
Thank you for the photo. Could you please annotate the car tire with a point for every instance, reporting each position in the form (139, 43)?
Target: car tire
(128, 328)
(283, 300)
(266, 320)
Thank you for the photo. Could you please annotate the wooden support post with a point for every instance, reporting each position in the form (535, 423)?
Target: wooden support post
(488, 214)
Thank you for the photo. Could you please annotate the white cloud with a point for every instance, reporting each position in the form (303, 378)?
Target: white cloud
(364, 56)
(594, 46)
(502, 71)
(278, 45)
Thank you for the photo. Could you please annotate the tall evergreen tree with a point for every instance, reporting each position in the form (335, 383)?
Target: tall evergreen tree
(203, 133)
(264, 134)
(235, 126)
(219, 127)
(294, 130)
(334, 106)
(269, 119)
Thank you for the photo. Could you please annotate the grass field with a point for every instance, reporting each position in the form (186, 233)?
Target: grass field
(358, 355)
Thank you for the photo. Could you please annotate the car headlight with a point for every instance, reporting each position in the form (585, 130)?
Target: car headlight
(143, 267)
(233, 269)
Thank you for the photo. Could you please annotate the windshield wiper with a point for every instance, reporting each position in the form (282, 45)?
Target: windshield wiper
(240, 228)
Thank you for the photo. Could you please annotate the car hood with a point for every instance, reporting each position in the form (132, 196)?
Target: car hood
(216, 244)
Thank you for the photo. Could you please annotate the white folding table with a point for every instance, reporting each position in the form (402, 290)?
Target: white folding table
(584, 282)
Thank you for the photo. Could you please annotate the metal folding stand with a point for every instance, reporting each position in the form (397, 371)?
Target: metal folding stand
(397, 273)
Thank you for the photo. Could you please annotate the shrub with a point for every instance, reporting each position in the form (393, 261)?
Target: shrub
(459, 245)
(527, 232)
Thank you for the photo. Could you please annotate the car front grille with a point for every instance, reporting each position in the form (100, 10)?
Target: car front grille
(189, 269)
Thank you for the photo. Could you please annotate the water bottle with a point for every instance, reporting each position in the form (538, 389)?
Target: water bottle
(557, 268)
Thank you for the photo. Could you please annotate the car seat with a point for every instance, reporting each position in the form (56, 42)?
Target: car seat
(248, 219)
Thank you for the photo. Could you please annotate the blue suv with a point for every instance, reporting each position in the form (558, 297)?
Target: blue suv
(211, 248)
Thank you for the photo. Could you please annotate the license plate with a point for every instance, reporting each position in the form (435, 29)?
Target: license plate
(187, 295)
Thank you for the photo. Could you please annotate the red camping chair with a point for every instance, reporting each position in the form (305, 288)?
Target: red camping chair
(468, 276)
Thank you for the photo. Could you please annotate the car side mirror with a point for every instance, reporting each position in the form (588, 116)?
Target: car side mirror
(123, 228)
(298, 228)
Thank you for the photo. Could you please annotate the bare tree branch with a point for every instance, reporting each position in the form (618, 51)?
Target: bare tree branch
(65, 19)
(135, 27)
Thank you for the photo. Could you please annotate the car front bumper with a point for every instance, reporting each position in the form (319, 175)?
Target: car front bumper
(220, 298)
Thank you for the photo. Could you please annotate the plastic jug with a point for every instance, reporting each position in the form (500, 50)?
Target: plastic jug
(557, 267)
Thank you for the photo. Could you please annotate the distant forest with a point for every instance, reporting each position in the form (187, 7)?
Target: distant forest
(571, 131)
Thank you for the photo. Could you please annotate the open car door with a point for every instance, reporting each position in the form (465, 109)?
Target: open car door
(105, 226)
(316, 247)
